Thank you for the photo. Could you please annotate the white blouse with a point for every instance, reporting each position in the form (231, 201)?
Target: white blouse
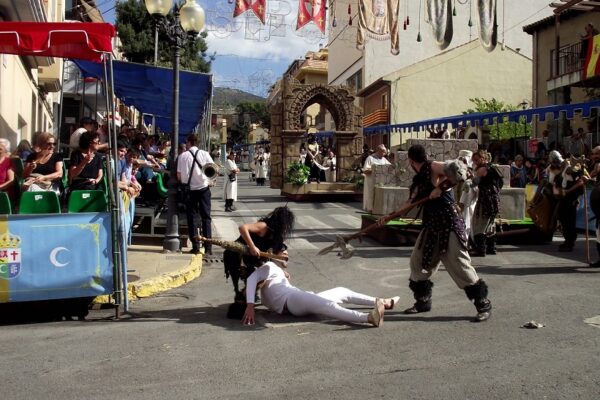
(276, 289)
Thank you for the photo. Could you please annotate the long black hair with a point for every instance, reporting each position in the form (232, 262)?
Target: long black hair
(281, 222)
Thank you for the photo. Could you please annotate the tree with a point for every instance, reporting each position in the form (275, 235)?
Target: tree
(501, 130)
(136, 31)
(249, 113)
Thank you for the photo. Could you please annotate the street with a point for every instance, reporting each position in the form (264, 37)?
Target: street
(180, 345)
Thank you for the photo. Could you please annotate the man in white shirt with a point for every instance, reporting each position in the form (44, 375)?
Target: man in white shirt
(87, 124)
(278, 294)
(189, 170)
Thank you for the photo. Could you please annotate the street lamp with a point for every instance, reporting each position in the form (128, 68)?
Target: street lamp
(188, 21)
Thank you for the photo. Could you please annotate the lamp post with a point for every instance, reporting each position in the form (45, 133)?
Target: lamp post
(189, 20)
(223, 140)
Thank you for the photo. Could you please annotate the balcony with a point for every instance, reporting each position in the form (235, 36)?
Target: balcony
(376, 118)
(50, 77)
(569, 69)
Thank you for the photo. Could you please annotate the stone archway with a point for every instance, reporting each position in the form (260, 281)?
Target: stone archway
(287, 132)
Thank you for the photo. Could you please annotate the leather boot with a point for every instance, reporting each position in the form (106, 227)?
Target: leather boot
(228, 205)
(478, 294)
(490, 243)
(478, 249)
(422, 291)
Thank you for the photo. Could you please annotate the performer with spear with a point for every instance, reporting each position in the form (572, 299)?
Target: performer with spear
(443, 237)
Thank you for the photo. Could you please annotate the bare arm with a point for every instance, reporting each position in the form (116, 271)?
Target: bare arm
(259, 228)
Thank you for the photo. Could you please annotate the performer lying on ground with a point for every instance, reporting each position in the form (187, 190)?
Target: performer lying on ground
(267, 233)
(443, 237)
(278, 294)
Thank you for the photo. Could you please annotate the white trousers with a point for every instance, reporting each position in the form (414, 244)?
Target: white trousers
(327, 303)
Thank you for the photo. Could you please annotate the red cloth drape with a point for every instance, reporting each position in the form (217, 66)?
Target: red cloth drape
(82, 40)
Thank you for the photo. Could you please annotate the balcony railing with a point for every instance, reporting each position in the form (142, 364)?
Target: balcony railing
(569, 60)
(377, 117)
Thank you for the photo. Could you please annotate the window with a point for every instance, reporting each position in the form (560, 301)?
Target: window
(384, 101)
(355, 81)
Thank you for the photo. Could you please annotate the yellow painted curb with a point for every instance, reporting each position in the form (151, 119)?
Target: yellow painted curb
(161, 283)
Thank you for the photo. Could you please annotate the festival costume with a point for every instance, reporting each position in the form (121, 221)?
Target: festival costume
(486, 210)
(443, 238)
(233, 261)
(595, 206)
(230, 185)
(568, 201)
(279, 295)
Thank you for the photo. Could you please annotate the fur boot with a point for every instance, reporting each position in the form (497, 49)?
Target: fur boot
(422, 292)
(478, 294)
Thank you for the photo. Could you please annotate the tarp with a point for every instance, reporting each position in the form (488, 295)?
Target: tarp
(87, 41)
(569, 110)
(150, 90)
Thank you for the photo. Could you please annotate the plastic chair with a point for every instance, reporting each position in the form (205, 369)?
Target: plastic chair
(160, 185)
(39, 203)
(5, 207)
(87, 201)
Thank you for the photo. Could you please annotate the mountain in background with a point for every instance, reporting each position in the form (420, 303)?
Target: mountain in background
(230, 98)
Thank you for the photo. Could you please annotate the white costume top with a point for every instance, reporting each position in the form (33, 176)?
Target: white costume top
(230, 188)
(74, 139)
(278, 286)
(184, 165)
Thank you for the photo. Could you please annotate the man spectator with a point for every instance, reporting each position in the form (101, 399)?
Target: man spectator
(87, 124)
(518, 174)
(189, 171)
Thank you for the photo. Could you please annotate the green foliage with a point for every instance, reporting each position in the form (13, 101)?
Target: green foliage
(356, 178)
(136, 31)
(297, 173)
(502, 129)
(256, 113)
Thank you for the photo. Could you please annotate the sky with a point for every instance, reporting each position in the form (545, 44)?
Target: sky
(251, 56)
(247, 57)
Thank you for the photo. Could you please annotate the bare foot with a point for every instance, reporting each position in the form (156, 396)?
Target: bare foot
(391, 302)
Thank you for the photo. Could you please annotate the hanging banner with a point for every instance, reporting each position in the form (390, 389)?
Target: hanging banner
(259, 7)
(592, 58)
(311, 10)
(47, 257)
(378, 19)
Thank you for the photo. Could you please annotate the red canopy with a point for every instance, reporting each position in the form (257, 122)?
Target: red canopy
(82, 40)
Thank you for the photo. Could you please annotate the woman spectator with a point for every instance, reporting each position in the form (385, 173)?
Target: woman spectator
(23, 150)
(518, 173)
(43, 169)
(7, 169)
(85, 166)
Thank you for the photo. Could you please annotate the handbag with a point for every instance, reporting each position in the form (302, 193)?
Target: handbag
(232, 177)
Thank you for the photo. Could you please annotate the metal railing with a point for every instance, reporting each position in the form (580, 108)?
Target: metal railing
(569, 60)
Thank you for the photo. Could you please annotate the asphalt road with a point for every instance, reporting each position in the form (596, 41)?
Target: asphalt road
(179, 345)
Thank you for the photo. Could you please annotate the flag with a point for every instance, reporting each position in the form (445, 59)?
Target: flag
(311, 10)
(259, 7)
(592, 56)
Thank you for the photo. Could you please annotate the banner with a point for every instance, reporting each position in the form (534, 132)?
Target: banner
(378, 19)
(46, 257)
(259, 8)
(311, 10)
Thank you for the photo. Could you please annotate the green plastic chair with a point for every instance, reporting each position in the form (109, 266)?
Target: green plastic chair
(5, 207)
(87, 201)
(19, 167)
(160, 185)
(65, 177)
(39, 203)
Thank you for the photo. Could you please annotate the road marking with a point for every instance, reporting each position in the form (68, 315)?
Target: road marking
(348, 219)
(297, 244)
(312, 223)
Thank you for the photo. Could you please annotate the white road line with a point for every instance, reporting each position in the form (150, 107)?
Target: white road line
(298, 244)
(308, 222)
(348, 219)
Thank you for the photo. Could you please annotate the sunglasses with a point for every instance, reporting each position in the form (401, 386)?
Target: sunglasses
(50, 144)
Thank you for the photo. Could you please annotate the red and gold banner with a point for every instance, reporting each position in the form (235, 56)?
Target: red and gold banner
(592, 58)
(311, 10)
(259, 7)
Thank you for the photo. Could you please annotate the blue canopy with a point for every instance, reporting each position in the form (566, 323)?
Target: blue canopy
(488, 118)
(150, 90)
